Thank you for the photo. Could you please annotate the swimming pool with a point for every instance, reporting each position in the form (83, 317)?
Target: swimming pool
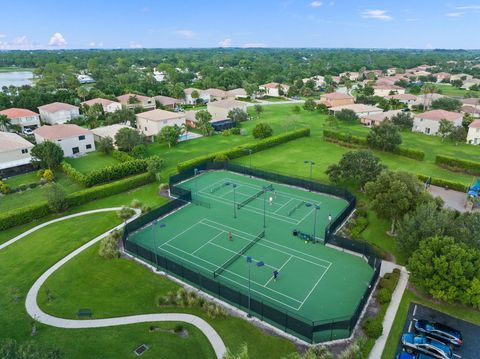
(188, 136)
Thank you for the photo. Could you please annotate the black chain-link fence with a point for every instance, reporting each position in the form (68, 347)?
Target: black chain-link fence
(303, 328)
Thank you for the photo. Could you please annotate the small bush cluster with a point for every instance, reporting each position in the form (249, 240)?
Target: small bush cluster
(240, 151)
(109, 246)
(458, 165)
(121, 156)
(188, 299)
(457, 186)
(4, 188)
(372, 327)
(349, 140)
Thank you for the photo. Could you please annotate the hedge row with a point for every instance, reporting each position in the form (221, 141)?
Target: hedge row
(457, 186)
(24, 215)
(106, 174)
(459, 165)
(350, 140)
(241, 150)
(121, 156)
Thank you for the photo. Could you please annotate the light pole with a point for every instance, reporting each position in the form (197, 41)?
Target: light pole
(234, 198)
(311, 169)
(264, 194)
(317, 208)
(258, 264)
(162, 225)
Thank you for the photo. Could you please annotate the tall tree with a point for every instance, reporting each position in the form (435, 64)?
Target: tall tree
(170, 135)
(202, 122)
(127, 138)
(47, 155)
(385, 137)
(445, 128)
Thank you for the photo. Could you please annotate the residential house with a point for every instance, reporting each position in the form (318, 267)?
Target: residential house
(385, 90)
(469, 83)
(421, 73)
(473, 136)
(426, 100)
(442, 76)
(352, 76)
(471, 102)
(100, 133)
(220, 109)
(168, 102)
(107, 105)
(335, 99)
(151, 122)
(14, 152)
(74, 140)
(274, 89)
(58, 113)
(133, 101)
(376, 119)
(391, 71)
(236, 93)
(471, 110)
(360, 109)
(318, 80)
(461, 77)
(190, 117)
(85, 79)
(159, 75)
(22, 117)
(202, 95)
(405, 98)
(429, 122)
(216, 94)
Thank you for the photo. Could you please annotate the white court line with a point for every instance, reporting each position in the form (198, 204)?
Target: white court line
(266, 240)
(308, 213)
(318, 281)
(283, 205)
(203, 245)
(210, 185)
(171, 239)
(226, 270)
(244, 256)
(283, 265)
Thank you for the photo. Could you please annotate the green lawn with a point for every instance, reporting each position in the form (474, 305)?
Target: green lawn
(465, 313)
(92, 161)
(15, 69)
(31, 196)
(449, 90)
(117, 287)
(25, 178)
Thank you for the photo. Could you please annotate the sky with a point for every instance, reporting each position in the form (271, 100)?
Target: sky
(67, 24)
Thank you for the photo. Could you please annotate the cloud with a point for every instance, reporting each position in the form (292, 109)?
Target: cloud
(376, 14)
(429, 46)
(253, 44)
(188, 34)
(19, 43)
(316, 3)
(414, 19)
(95, 44)
(135, 45)
(57, 39)
(225, 43)
(455, 14)
(2, 36)
(468, 7)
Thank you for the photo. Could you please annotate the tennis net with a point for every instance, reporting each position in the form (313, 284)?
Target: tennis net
(219, 187)
(295, 208)
(237, 255)
(256, 195)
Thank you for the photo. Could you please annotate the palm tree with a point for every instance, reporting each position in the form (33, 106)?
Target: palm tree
(5, 123)
(427, 89)
(184, 128)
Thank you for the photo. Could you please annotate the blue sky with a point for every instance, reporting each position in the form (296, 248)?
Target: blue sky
(71, 24)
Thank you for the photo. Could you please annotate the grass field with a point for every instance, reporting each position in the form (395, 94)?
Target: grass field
(91, 161)
(449, 90)
(199, 239)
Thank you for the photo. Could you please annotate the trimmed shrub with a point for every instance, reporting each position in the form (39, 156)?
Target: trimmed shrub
(121, 156)
(118, 171)
(23, 215)
(410, 153)
(384, 296)
(240, 151)
(221, 158)
(235, 130)
(4, 188)
(373, 327)
(73, 173)
(48, 176)
(459, 165)
(457, 186)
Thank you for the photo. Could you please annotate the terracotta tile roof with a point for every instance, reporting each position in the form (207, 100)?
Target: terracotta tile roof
(165, 100)
(237, 92)
(403, 96)
(160, 115)
(438, 115)
(471, 101)
(357, 108)
(469, 109)
(227, 104)
(57, 106)
(108, 131)
(274, 85)
(123, 99)
(57, 132)
(11, 142)
(98, 100)
(215, 92)
(189, 90)
(382, 116)
(475, 124)
(17, 112)
(336, 96)
(387, 86)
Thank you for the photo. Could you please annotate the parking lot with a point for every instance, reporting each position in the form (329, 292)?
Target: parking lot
(470, 332)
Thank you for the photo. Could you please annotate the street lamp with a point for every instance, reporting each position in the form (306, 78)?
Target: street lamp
(234, 200)
(162, 225)
(249, 150)
(311, 169)
(258, 264)
(196, 172)
(264, 215)
(317, 208)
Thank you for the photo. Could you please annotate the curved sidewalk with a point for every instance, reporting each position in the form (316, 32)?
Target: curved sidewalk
(38, 314)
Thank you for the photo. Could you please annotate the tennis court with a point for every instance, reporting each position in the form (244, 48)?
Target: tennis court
(234, 216)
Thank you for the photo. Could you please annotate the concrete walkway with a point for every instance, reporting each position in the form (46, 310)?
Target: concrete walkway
(392, 309)
(38, 314)
(453, 199)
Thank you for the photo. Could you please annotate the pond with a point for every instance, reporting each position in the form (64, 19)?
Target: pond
(16, 78)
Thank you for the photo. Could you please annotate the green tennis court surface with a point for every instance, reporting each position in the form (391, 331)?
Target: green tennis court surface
(315, 281)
